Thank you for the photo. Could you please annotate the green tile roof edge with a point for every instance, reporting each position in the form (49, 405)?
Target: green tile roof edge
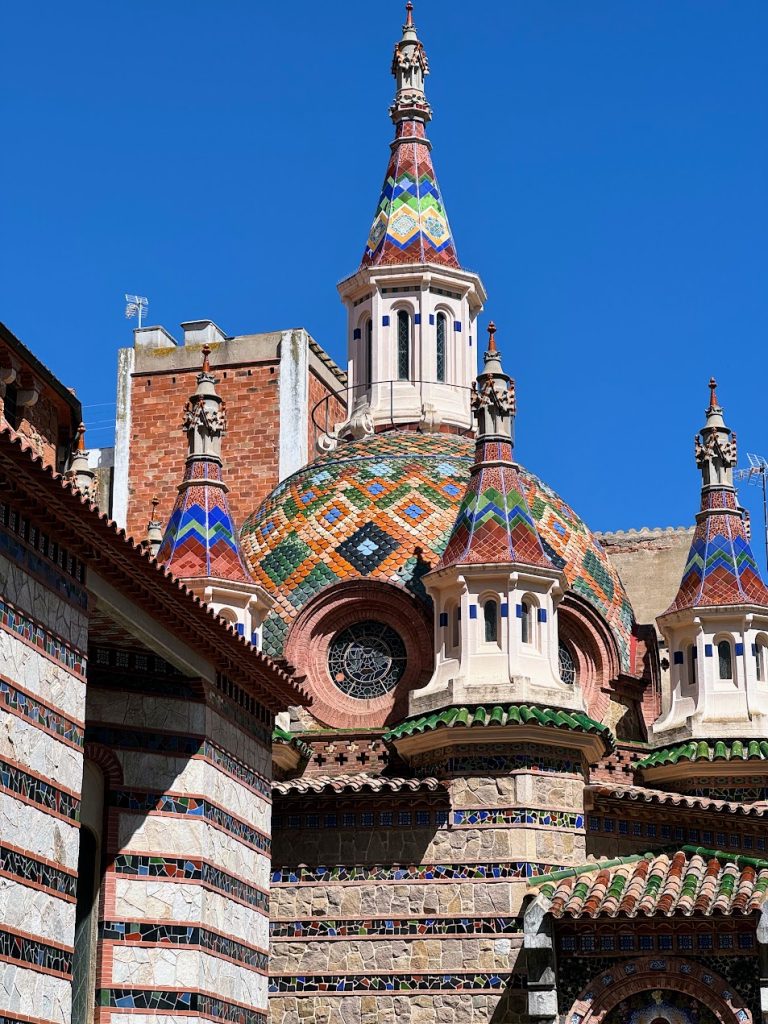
(500, 714)
(707, 750)
(583, 869)
(282, 736)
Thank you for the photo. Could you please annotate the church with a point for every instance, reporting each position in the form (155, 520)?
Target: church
(319, 705)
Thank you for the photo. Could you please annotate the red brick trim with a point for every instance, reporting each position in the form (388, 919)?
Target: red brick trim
(594, 650)
(627, 978)
(107, 762)
(339, 606)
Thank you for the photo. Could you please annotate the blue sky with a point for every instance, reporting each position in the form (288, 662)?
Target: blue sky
(603, 166)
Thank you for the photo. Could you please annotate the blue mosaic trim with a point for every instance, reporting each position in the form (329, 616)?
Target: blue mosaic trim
(34, 954)
(177, 745)
(410, 872)
(23, 626)
(401, 818)
(39, 714)
(417, 927)
(28, 869)
(18, 782)
(517, 816)
(41, 542)
(336, 983)
(152, 999)
(191, 806)
(184, 935)
(53, 578)
(684, 943)
(192, 870)
(466, 760)
(676, 833)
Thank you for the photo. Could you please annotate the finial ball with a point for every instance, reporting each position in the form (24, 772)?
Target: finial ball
(206, 362)
(491, 336)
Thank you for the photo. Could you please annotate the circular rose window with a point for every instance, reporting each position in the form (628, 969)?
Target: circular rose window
(366, 660)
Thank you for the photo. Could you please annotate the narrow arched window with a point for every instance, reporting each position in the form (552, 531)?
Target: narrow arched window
(442, 330)
(526, 633)
(403, 345)
(690, 657)
(369, 353)
(455, 627)
(491, 621)
(760, 660)
(725, 660)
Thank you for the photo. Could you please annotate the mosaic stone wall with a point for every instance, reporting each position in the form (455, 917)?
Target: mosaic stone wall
(383, 507)
(183, 923)
(407, 906)
(43, 642)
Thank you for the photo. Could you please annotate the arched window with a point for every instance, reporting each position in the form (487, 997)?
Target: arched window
(526, 626)
(566, 664)
(491, 621)
(725, 659)
(455, 627)
(403, 345)
(761, 660)
(442, 331)
(690, 658)
(369, 353)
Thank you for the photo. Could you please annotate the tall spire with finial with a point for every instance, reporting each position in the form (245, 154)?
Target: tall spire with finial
(494, 523)
(201, 539)
(410, 224)
(721, 568)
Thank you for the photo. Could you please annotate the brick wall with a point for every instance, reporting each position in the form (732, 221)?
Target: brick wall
(318, 390)
(158, 446)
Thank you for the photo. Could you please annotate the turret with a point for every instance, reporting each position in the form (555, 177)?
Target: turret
(717, 626)
(201, 544)
(411, 307)
(78, 471)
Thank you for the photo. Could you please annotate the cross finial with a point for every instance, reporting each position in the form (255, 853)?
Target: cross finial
(713, 393)
(206, 361)
(491, 338)
(409, 15)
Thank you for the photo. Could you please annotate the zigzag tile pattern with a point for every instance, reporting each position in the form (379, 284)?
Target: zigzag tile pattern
(410, 224)
(384, 507)
(721, 568)
(494, 523)
(200, 539)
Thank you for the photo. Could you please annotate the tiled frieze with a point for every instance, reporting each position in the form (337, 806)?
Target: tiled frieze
(338, 984)
(51, 611)
(36, 872)
(470, 759)
(34, 789)
(36, 635)
(190, 869)
(21, 948)
(303, 873)
(390, 927)
(157, 933)
(516, 816)
(201, 1004)
(29, 707)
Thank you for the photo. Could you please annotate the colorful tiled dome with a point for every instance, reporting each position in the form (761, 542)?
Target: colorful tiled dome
(383, 507)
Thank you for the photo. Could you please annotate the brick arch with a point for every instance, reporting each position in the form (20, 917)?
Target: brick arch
(595, 651)
(107, 761)
(342, 605)
(628, 978)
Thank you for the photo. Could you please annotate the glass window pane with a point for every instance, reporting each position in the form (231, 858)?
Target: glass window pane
(441, 322)
(369, 352)
(403, 345)
(490, 616)
(525, 623)
(724, 660)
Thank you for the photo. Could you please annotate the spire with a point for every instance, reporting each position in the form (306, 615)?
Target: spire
(154, 529)
(78, 471)
(494, 523)
(410, 224)
(201, 539)
(721, 568)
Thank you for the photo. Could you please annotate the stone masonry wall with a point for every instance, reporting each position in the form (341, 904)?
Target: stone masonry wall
(43, 639)
(184, 924)
(407, 907)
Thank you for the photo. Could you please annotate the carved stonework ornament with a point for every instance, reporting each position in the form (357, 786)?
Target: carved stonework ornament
(198, 416)
(488, 395)
(715, 447)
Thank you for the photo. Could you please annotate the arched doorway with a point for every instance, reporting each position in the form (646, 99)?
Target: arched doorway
(659, 990)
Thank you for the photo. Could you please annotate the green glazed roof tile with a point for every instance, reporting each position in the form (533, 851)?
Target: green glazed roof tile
(500, 715)
(703, 750)
(282, 736)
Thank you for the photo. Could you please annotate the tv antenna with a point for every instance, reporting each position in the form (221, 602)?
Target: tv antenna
(757, 471)
(136, 305)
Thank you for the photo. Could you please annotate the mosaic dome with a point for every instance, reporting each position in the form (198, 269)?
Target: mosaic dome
(383, 507)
